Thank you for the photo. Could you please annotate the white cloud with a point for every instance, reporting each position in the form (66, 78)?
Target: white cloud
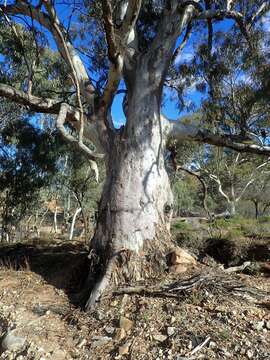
(119, 122)
(266, 21)
(183, 57)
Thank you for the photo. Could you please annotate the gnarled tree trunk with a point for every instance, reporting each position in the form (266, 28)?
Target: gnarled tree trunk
(136, 203)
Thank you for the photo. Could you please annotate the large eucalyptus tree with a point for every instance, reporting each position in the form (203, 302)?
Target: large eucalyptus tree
(143, 39)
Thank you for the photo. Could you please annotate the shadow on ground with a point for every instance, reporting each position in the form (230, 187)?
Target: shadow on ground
(232, 253)
(65, 266)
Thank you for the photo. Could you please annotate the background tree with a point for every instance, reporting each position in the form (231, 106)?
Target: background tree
(27, 161)
(233, 174)
(259, 194)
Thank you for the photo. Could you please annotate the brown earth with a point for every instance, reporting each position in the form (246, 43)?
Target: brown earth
(38, 287)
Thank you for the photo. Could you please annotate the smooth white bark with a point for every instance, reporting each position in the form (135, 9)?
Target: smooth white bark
(76, 213)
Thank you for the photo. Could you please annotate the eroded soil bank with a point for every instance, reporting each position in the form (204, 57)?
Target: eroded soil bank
(40, 312)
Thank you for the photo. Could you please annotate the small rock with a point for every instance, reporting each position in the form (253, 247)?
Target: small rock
(59, 354)
(173, 319)
(267, 324)
(11, 342)
(181, 256)
(100, 340)
(170, 330)
(120, 334)
(226, 353)
(259, 326)
(99, 315)
(159, 337)
(109, 330)
(212, 344)
(250, 354)
(178, 269)
(124, 302)
(124, 349)
(82, 343)
(126, 323)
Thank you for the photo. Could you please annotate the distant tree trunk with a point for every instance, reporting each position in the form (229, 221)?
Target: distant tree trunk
(85, 224)
(67, 210)
(55, 226)
(256, 204)
(266, 206)
(73, 222)
(232, 208)
(38, 226)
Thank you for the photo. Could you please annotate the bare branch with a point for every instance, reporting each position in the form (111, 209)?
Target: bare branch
(117, 51)
(217, 180)
(204, 187)
(24, 8)
(183, 43)
(230, 4)
(109, 30)
(191, 132)
(174, 21)
(55, 24)
(50, 106)
(226, 14)
(47, 106)
(60, 121)
(263, 9)
(252, 178)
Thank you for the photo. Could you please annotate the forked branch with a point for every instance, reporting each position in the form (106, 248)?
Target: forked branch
(60, 121)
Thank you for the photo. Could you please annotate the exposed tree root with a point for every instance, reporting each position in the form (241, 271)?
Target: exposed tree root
(100, 286)
(126, 266)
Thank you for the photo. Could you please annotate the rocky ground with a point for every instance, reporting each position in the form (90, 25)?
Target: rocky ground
(224, 315)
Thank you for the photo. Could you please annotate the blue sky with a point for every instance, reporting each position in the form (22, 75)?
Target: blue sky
(170, 105)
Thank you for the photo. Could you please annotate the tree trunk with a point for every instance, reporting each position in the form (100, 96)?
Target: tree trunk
(256, 209)
(55, 225)
(73, 222)
(232, 208)
(85, 225)
(136, 203)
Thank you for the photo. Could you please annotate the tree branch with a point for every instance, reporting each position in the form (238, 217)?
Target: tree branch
(24, 8)
(217, 180)
(130, 19)
(226, 14)
(204, 187)
(113, 51)
(183, 43)
(174, 21)
(51, 106)
(60, 121)
(263, 9)
(183, 132)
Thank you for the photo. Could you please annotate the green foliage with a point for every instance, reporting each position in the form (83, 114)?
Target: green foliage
(181, 225)
(28, 160)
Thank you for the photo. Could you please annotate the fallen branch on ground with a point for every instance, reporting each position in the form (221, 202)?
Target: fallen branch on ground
(217, 283)
(238, 268)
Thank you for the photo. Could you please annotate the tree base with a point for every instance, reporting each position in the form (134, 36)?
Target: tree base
(126, 267)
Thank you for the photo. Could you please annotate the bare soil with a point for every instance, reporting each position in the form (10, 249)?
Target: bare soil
(38, 301)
